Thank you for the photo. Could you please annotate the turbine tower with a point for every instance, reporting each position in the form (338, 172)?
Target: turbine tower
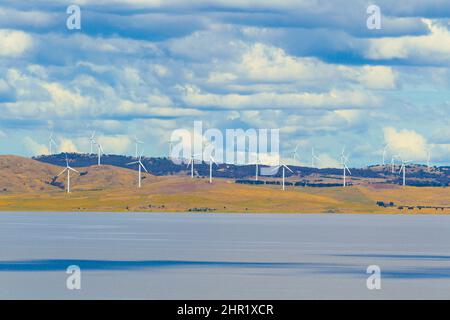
(211, 161)
(392, 164)
(204, 145)
(313, 157)
(283, 167)
(137, 142)
(345, 169)
(403, 170)
(428, 159)
(67, 169)
(386, 146)
(170, 149)
(99, 153)
(191, 163)
(295, 155)
(257, 163)
(50, 143)
(140, 165)
(92, 141)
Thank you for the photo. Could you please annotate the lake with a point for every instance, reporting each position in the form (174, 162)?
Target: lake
(223, 256)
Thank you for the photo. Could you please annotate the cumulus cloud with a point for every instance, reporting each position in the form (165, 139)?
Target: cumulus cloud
(34, 147)
(268, 64)
(66, 145)
(433, 47)
(14, 43)
(274, 100)
(32, 18)
(408, 144)
(305, 67)
(115, 144)
(326, 161)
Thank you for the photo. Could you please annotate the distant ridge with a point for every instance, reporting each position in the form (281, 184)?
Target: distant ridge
(417, 175)
(31, 185)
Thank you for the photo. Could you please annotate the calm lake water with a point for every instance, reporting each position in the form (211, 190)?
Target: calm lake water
(232, 256)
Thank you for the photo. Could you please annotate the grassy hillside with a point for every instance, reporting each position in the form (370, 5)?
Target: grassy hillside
(23, 175)
(418, 175)
(31, 186)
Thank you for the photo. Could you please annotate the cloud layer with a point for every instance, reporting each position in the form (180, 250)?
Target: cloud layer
(146, 68)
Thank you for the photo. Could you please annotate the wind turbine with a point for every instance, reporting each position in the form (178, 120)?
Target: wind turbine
(384, 153)
(295, 155)
(204, 144)
(99, 152)
(283, 167)
(50, 143)
(136, 143)
(257, 163)
(92, 141)
(191, 163)
(344, 160)
(403, 169)
(68, 169)
(428, 158)
(140, 165)
(313, 157)
(170, 149)
(393, 164)
(211, 161)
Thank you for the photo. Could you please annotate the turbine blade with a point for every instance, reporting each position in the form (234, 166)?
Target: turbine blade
(62, 172)
(347, 169)
(143, 167)
(70, 168)
(134, 162)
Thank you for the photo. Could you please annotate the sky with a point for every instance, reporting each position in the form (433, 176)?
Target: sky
(310, 68)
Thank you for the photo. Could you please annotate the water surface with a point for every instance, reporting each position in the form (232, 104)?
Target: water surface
(232, 256)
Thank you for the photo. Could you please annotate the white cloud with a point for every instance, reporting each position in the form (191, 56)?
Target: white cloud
(326, 161)
(333, 99)
(67, 145)
(261, 63)
(13, 43)
(34, 147)
(351, 116)
(32, 18)
(377, 77)
(433, 47)
(64, 99)
(408, 144)
(115, 144)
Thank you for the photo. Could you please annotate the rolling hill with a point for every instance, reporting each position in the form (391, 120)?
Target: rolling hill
(24, 175)
(417, 175)
(30, 185)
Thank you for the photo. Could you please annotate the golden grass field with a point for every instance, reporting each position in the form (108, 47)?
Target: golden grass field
(107, 188)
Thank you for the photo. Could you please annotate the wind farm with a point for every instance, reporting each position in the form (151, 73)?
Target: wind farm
(229, 150)
(124, 183)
